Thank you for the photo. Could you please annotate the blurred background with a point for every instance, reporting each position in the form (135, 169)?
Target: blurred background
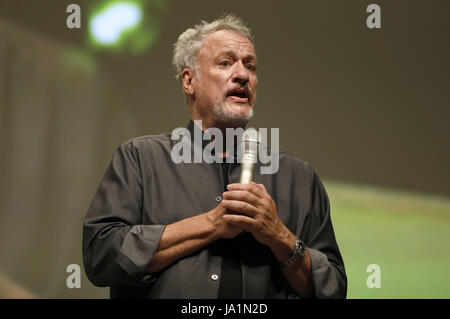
(367, 108)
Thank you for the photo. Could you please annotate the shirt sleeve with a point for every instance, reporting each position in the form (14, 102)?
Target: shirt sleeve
(117, 247)
(328, 272)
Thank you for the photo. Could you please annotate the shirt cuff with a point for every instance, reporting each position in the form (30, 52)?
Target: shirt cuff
(137, 250)
(324, 276)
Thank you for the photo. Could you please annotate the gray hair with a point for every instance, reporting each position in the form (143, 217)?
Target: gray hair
(190, 41)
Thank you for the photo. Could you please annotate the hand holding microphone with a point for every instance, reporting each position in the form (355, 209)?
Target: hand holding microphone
(258, 210)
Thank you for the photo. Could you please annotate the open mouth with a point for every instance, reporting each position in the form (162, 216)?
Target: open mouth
(239, 95)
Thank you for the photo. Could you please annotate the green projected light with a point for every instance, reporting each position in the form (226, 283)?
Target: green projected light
(124, 25)
(108, 25)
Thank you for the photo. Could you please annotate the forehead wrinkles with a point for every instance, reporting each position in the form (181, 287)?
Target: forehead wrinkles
(215, 45)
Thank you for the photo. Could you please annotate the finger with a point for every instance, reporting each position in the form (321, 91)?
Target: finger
(252, 188)
(240, 206)
(262, 187)
(242, 221)
(242, 195)
(266, 198)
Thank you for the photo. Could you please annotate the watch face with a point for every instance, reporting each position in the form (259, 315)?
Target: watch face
(300, 247)
(297, 255)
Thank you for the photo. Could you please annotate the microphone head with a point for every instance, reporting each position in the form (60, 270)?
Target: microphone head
(250, 144)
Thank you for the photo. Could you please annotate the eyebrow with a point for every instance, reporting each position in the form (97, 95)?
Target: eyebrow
(249, 57)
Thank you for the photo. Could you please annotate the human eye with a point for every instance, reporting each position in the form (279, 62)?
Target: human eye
(251, 67)
(225, 63)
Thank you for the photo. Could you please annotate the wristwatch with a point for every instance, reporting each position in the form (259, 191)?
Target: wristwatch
(297, 255)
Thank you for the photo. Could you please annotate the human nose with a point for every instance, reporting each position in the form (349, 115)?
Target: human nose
(240, 74)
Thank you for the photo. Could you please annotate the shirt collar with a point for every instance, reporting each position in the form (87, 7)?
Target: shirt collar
(195, 130)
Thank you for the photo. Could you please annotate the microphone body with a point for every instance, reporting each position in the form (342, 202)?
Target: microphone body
(249, 147)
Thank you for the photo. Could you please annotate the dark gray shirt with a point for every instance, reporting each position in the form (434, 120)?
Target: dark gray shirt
(143, 190)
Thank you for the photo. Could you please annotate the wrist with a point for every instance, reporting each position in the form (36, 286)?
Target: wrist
(282, 245)
(210, 222)
(297, 255)
(215, 224)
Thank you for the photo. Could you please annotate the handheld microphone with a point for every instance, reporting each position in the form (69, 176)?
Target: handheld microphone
(249, 147)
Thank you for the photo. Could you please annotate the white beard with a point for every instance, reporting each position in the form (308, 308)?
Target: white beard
(226, 116)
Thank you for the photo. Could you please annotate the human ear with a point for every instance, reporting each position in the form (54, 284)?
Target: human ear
(187, 78)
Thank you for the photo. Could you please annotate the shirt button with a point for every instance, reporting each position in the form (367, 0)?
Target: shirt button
(218, 199)
(148, 278)
(214, 277)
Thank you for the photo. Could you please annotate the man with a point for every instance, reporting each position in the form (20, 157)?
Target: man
(157, 229)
